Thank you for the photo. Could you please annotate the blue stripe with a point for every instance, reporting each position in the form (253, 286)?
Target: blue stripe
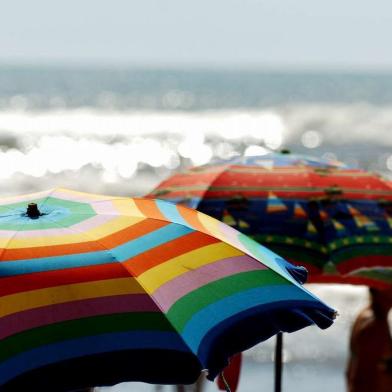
(170, 211)
(20, 267)
(120, 253)
(90, 345)
(149, 241)
(210, 316)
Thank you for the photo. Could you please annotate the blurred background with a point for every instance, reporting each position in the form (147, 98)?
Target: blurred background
(112, 97)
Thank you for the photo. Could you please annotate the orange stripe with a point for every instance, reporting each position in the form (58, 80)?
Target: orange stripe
(191, 217)
(130, 233)
(48, 251)
(143, 262)
(141, 228)
(149, 209)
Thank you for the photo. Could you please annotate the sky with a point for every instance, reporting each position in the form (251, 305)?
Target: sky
(212, 33)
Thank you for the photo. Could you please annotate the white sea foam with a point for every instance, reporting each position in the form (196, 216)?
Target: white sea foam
(39, 148)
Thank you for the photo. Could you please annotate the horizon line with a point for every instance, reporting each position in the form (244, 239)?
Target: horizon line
(195, 66)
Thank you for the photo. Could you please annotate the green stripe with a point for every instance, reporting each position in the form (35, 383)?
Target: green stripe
(359, 250)
(73, 329)
(78, 213)
(49, 201)
(188, 305)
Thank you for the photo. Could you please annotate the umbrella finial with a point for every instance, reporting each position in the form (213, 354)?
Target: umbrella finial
(33, 211)
(285, 151)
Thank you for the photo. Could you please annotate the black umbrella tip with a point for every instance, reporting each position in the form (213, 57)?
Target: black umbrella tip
(285, 151)
(33, 211)
(299, 273)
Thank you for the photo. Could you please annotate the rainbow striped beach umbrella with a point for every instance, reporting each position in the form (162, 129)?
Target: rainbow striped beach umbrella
(96, 290)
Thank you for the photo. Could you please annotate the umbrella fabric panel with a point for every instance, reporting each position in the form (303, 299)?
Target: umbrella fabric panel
(74, 347)
(123, 276)
(109, 368)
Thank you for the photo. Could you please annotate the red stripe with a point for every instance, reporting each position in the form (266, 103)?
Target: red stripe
(367, 261)
(356, 280)
(41, 280)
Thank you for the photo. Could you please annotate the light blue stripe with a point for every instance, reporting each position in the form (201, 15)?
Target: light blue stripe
(20, 267)
(170, 211)
(18, 216)
(90, 345)
(149, 241)
(120, 253)
(210, 316)
(266, 257)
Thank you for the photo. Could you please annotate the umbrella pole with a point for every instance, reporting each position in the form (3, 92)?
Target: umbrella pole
(278, 362)
(226, 384)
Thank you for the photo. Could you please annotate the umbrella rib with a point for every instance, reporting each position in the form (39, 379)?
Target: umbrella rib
(47, 196)
(216, 178)
(16, 233)
(11, 239)
(83, 234)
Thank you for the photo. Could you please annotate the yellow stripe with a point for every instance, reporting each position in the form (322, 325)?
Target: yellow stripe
(19, 302)
(110, 227)
(229, 235)
(211, 225)
(113, 226)
(127, 207)
(157, 276)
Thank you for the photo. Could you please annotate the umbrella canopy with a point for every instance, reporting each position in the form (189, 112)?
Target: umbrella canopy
(335, 220)
(95, 290)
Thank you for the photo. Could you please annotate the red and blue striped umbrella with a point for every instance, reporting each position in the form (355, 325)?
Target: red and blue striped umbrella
(96, 290)
(334, 220)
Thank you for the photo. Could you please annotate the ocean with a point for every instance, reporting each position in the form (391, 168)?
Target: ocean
(132, 128)
(121, 131)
